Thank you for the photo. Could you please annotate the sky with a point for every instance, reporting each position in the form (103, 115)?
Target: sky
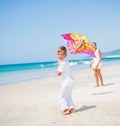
(30, 29)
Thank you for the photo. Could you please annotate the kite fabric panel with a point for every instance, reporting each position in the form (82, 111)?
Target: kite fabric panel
(78, 44)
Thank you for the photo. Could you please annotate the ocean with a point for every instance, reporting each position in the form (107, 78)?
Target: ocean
(14, 73)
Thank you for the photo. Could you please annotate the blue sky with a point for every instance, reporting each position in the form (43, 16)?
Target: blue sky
(30, 29)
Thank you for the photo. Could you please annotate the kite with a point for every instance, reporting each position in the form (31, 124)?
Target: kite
(78, 43)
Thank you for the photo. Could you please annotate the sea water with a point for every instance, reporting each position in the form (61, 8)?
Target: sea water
(14, 73)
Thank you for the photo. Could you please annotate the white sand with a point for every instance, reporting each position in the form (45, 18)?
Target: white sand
(35, 103)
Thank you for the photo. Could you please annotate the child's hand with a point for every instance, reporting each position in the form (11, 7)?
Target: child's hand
(59, 73)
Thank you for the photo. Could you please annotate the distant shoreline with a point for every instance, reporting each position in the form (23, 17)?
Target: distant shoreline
(7, 78)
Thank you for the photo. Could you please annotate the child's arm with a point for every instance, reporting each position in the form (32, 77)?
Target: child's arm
(59, 69)
(91, 62)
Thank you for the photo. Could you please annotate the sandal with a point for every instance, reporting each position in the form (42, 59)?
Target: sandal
(66, 112)
(72, 110)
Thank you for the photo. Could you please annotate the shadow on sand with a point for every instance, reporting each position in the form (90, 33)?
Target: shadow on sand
(85, 108)
(108, 84)
(103, 93)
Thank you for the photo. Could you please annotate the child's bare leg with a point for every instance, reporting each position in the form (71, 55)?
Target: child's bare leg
(96, 77)
(100, 77)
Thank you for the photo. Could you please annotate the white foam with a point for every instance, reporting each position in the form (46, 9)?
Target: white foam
(113, 56)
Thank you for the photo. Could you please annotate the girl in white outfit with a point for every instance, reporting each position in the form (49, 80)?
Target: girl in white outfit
(66, 79)
(96, 65)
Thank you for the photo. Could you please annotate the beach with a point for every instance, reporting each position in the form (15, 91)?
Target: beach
(36, 103)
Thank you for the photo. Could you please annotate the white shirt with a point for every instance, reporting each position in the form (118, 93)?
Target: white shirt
(66, 76)
(96, 59)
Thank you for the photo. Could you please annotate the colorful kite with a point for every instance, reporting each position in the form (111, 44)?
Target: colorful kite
(78, 43)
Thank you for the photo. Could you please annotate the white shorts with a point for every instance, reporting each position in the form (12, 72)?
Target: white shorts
(94, 66)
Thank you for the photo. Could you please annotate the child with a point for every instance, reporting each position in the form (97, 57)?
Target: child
(96, 64)
(67, 79)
